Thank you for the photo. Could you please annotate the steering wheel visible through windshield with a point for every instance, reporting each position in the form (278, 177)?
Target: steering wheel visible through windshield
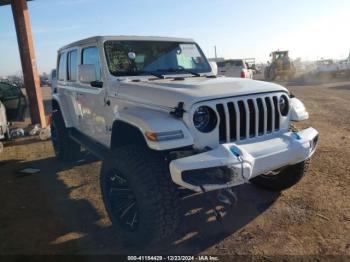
(133, 58)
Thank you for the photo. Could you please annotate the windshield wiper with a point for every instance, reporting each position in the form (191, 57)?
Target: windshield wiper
(180, 70)
(160, 76)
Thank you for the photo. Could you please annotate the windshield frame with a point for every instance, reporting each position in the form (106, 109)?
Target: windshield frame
(165, 72)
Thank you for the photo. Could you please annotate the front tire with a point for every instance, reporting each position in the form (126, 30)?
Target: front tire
(283, 180)
(141, 200)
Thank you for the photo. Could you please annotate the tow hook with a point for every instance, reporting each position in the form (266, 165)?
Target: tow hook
(228, 197)
(225, 196)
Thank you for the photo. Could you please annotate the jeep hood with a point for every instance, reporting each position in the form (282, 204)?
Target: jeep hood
(169, 92)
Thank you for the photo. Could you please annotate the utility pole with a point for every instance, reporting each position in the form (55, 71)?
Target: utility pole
(216, 55)
(29, 68)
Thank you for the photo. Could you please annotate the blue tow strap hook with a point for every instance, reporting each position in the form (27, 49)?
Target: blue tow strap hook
(296, 136)
(234, 150)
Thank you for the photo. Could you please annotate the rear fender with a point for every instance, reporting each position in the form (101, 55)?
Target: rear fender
(58, 102)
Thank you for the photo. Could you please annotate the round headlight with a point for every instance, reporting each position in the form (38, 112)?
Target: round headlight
(204, 119)
(284, 105)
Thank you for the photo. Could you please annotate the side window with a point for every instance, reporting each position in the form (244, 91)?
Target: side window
(72, 65)
(90, 57)
(62, 66)
(221, 64)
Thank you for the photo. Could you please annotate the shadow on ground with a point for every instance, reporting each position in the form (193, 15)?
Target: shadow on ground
(72, 225)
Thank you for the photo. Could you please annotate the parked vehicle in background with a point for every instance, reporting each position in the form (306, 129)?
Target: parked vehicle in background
(280, 66)
(12, 108)
(250, 62)
(14, 101)
(53, 80)
(326, 68)
(331, 68)
(161, 121)
(235, 68)
(344, 66)
(3, 125)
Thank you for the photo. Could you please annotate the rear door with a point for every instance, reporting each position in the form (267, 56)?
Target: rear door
(67, 89)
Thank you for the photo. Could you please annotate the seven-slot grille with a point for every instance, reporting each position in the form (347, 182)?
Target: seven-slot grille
(247, 118)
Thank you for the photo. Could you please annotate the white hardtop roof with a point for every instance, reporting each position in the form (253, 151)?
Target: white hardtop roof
(96, 39)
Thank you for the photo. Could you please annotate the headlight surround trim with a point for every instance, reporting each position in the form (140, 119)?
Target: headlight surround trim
(283, 105)
(205, 119)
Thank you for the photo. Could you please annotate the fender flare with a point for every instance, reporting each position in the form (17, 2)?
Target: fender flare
(57, 98)
(297, 110)
(151, 120)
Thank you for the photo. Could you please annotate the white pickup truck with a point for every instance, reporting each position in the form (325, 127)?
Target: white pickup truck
(344, 66)
(330, 68)
(161, 121)
(235, 68)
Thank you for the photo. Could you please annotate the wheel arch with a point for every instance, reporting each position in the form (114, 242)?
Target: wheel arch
(57, 104)
(124, 133)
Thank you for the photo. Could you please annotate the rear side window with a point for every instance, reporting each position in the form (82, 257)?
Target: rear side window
(90, 57)
(62, 66)
(72, 65)
(221, 64)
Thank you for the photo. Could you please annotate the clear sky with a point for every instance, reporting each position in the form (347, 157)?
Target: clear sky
(310, 29)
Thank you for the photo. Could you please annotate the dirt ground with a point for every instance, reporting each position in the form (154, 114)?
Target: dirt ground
(60, 211)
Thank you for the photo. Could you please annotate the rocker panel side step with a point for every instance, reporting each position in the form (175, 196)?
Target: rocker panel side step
(97, 149)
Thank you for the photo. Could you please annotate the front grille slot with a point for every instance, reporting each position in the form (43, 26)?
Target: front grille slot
(277, 115)
(251, 118)
(248, 118)
(261, 116)
(233, 120)
(242, 119)
(269, 114)
(222, 122)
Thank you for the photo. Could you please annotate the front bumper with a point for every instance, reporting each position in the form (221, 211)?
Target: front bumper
(237, 164)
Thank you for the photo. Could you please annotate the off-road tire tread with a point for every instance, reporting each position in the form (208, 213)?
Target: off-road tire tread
(147, 173)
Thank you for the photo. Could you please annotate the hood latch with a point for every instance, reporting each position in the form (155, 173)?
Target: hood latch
(179, 110)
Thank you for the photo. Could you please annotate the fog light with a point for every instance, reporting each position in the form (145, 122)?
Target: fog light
(313, 143)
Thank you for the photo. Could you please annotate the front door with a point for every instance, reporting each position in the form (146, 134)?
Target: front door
(93, 100)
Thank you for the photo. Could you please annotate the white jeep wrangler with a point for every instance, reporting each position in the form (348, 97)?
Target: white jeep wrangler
(161, 120)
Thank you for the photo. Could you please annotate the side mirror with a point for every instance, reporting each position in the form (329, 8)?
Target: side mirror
(214, 67)
(87, 73)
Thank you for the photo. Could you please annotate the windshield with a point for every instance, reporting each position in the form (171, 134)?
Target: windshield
(130, 58)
